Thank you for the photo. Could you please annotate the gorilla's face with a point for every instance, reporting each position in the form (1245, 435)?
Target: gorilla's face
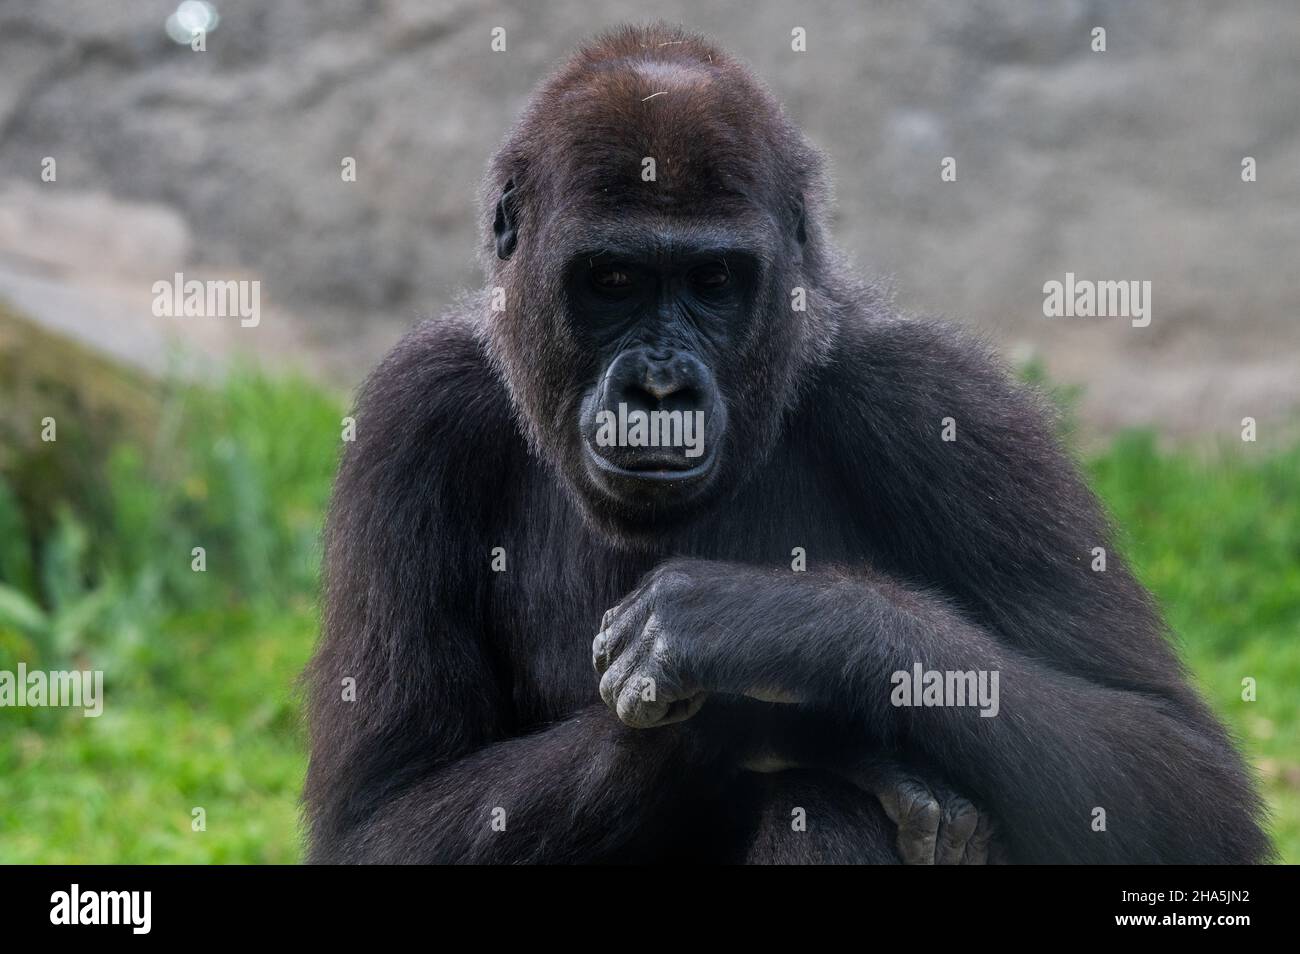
(648, 336)
(660, 317)
(676, 359)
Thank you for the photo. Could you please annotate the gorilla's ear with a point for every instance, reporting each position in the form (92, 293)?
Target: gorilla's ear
(800, 220)
(504, 223)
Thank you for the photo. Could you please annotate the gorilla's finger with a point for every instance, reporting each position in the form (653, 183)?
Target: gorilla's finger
(610, 615)
(914, 809)
(608, 645)
(957, 822)
(600, 652)
(980, 842)
(638, 708)
(611, 683)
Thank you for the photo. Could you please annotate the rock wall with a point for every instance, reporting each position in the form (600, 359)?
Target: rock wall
(1116, 165)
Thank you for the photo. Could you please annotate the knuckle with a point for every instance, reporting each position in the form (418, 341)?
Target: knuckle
(961, 827)
(664, 581)
(655, 638)
(959, 809)
(612, 683)
(606, 689)
(926, 815)
(634, 709)
(920, 809)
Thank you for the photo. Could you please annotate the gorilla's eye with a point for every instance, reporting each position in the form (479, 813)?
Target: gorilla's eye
(611, 278)
(710, 277)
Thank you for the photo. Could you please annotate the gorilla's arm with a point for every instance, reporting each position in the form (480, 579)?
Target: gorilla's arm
(1058, 747)
(413, 741)
(585, 790)
(1094, 712)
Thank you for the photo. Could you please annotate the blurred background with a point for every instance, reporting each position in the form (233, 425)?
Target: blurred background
(226, 164)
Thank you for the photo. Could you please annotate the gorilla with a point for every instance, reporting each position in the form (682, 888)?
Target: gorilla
(675, 440)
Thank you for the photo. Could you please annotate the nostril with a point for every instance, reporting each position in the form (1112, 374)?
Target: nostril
(660, 390)
(637, 397)
(652, 395)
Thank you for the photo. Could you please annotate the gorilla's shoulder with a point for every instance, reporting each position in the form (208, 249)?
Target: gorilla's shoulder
(437, 351)
(923, 361)
(436, 386)
(924, 348)
(899, 377)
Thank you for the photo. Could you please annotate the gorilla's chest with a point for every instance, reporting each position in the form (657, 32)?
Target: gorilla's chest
(559, 578)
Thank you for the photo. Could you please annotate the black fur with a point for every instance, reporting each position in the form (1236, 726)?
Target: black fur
(475, 689)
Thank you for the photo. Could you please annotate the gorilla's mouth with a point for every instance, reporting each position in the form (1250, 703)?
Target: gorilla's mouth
(651, 427)
(649, 469)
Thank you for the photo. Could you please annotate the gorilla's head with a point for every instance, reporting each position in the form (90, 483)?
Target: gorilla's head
(656, 268)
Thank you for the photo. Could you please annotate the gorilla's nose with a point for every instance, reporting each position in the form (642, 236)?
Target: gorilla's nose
(657, 411)
(659, 379)
(663, 377)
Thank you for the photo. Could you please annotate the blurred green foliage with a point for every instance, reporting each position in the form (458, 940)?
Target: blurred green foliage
(200, 668)
(1216, 537)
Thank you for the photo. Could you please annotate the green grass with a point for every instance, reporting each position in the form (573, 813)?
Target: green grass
(1217, 539)
(200, 708)
(200, 667)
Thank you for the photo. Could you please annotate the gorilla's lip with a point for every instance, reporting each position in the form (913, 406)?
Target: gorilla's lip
(652, 474)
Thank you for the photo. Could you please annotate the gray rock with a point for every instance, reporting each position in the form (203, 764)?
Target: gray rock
(1123, 164)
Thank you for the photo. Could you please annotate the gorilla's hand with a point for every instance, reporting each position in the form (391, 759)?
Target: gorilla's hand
(936, 826)
(678, 636)
(641, 658)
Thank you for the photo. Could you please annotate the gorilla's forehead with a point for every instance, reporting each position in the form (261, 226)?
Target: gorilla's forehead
(639, 233)
(665, 75)
(670, 135)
